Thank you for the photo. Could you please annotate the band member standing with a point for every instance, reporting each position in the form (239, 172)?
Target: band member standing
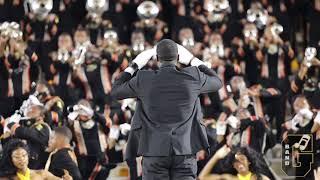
(37, 135)
(169, 99)
(62, 156)
(90, 133)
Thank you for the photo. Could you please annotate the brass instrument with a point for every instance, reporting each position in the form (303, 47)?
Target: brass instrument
(111, 42)
(257, 15)
(216, 5)
(95, 10)
(40, 8)
(147, 11)
(216, 9)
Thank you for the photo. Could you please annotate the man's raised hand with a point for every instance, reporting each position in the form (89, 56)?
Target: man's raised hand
(142, 59)
(185, 56)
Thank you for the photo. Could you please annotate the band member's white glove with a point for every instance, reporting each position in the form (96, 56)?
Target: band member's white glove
(142, 59)
(83, 110)
(306, 113)
(15, 118)
(233, 122)
(114, 132)
(185, 56)
(197, 62)
(125, 128)
(130, 70)
(73, 116)
(221, 128)
(295, 121)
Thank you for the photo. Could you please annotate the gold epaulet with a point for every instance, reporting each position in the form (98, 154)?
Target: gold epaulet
(60, 103)
(39, 125)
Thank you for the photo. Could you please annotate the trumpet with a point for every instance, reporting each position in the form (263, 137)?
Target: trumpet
(40, 8)
(216, 9)
(147, 11)
(216, 6)
(95, 10)
(111, 42)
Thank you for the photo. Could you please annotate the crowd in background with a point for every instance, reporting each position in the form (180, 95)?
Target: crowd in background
(58, 60)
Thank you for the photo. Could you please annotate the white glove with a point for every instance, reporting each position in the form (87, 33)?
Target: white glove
(34, 100)
(233, 121)
(295, 121)
(306, 113)
(73, 116)
(15, 118)
(221, 128)
(184, 55)
(129, 70)
(129, 102)
(197, 62)
(125, 128)
(85, 111)
(142, 59)
(114, 132)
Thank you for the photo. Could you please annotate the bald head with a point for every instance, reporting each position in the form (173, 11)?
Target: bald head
(65, 132)
(167, 50)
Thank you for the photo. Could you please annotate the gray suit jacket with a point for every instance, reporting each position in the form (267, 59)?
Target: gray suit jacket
(169, 112)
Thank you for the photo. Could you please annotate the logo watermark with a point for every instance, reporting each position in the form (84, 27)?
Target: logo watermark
(297, 154)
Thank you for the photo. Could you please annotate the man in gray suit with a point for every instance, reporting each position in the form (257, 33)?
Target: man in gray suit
(170, 128)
